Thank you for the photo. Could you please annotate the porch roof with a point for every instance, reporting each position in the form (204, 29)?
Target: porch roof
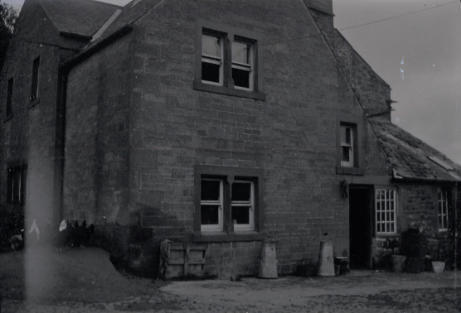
(410, 157)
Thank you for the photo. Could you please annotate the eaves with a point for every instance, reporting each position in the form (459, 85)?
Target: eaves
(85, 54)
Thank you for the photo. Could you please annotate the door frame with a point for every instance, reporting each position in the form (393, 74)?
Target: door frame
(371, 206)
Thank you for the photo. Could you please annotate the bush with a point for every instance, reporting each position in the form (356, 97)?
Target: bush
(11, 223)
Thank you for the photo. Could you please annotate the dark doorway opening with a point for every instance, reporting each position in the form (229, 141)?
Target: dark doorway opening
(360, 225)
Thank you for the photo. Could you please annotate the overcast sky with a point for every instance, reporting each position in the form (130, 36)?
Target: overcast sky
(424, 35)
(415, 45)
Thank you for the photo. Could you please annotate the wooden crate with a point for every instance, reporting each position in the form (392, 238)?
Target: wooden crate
(182, 259)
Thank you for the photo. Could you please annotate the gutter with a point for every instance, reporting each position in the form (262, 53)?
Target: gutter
(60, 139)
(422, 180)
(106, 25)
(75, 36)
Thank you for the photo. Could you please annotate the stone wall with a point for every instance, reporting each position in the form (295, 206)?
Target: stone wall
(290, 136)
(97, 140)
(418, 208)
(28, 136)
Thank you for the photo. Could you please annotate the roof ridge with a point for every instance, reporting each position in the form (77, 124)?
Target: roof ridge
(416, 149)
(132, 5)
(416, 138)
(48, 15)
(106, 24)
(337, 31)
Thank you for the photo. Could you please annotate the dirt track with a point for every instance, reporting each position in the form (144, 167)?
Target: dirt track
(85, 281)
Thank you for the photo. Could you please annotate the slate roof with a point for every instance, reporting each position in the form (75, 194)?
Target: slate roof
(80, 17)
(411, 158)
(131, 12)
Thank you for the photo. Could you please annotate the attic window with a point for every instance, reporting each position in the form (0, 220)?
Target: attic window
(348, 145)
(440, 163)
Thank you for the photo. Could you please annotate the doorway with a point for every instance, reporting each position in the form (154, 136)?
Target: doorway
(360, 225)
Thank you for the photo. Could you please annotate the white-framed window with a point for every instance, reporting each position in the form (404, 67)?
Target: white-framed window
(243, 205)
(228, 61)
(212, 59)
(347, 144)
(243, 64)
(228, 202)
(211, 205)
(442, 213)
(386, 211)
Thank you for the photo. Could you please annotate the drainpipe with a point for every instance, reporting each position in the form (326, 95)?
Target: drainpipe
(457, 226)
(60, 144)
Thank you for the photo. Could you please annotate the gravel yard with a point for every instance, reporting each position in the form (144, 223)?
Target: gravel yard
(87, 282)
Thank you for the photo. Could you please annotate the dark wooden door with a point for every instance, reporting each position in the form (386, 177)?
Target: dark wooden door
(360, 225)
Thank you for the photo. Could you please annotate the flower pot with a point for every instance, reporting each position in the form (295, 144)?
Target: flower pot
(438, 266)
(398, 263)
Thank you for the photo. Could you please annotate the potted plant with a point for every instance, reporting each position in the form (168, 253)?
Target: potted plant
(398, 260)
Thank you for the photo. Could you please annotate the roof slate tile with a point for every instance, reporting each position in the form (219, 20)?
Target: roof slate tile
(81, 17)
(409, 156)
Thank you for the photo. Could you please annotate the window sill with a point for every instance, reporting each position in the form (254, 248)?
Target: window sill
(226, 237)
(387, 235)
(34, 102)
(198, 85)
(349, 171)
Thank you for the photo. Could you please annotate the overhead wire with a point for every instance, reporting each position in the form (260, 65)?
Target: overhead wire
(294, 38)
(389, 18)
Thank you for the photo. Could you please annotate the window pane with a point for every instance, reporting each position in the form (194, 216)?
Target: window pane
(346, 154)
(348, 135)
(9, 97)
(211, 45)
(241, 214)
(241, 191)
(385, 210)
(345, 135)
(211, 72)
(15, 185)
(211, 190)
(241, 78)
(210, 214)
(240, 52)
(34, 86)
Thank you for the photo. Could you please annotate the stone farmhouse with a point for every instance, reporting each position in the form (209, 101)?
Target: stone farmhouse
(216, 123)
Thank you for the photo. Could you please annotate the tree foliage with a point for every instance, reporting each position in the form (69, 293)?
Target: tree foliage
(8, 17)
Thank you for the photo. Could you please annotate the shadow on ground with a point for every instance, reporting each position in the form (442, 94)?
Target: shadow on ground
(84, 280)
